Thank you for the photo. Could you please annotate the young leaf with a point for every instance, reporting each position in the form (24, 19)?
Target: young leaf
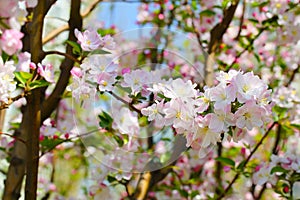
(38, 84)
(23, 77)
(76, 47)
(227, 161)
(278, 169)
(99, 51)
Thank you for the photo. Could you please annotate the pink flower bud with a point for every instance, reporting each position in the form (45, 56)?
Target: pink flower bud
(226, 168)
(125, 70)
(76, 72)
(161, 16)
(32, 66)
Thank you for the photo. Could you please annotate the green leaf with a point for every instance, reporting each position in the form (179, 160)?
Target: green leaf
(23, 77)
(76, 47)
(194, 193)
(111, 179)
(259, 4)
(241, 165)
(48, 143)
(194, 5)
(119, 140)
(225, 3)
(278, 169)
(297, 126)
(227, 161)
(38, 84)
(207, 13)
(183, 193)
(99, 51)
(105, 120)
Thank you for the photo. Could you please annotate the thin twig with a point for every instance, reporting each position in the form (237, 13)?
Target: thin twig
(68, 140)
(295, 71)
(12, 136)
(11, 100)
(241, 21)
(125, 102)
(63, 54)
(247, 160)
(65, 27)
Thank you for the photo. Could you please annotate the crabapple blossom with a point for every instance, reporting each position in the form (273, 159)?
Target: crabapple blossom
(106, 81)
(8, 8)
(178, 112)
(10, 41)
(135, 80)
(94, 65)
(222, 95)
(109, 42)
(24, 62)
(204, 100)
(221, 119)
(46, 71)
(179, 89)
(249, 115)
(285, 97)
(7, 83)
(248, 86)
(80, 89)
(89, 39)
(206, 134)
(263, 175)
(76, 71)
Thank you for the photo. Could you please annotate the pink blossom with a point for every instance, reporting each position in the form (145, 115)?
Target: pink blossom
(8, 8)
(7, 83)
(221, 119)
(76, 71)
(249, 116)
(80, 89)
(222, 95)
(24, 62)
(136, 79)
(109, 42)
(10, 41)
(206, 135)
(89, 39)
(31, 3)
(106, 81)
(125, 70)
(248, 86)
(46, 71)
(203, 102)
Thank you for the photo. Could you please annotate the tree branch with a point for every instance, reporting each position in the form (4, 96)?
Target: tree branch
(51, 103)
(247, 160)
(63, 54)
(216, 35)
(63, 28)
(30, 117)
(151, 176)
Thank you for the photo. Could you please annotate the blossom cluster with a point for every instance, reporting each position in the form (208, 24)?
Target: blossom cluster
(95, 69)
(240, 101)
(282, 167)
(90, 40)
(8, 85)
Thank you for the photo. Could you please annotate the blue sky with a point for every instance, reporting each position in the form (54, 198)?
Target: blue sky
(121, 14)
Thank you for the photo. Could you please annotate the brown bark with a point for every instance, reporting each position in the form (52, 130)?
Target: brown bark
(51, 103)
(25, 155)
(216, 35)
(151, 177)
